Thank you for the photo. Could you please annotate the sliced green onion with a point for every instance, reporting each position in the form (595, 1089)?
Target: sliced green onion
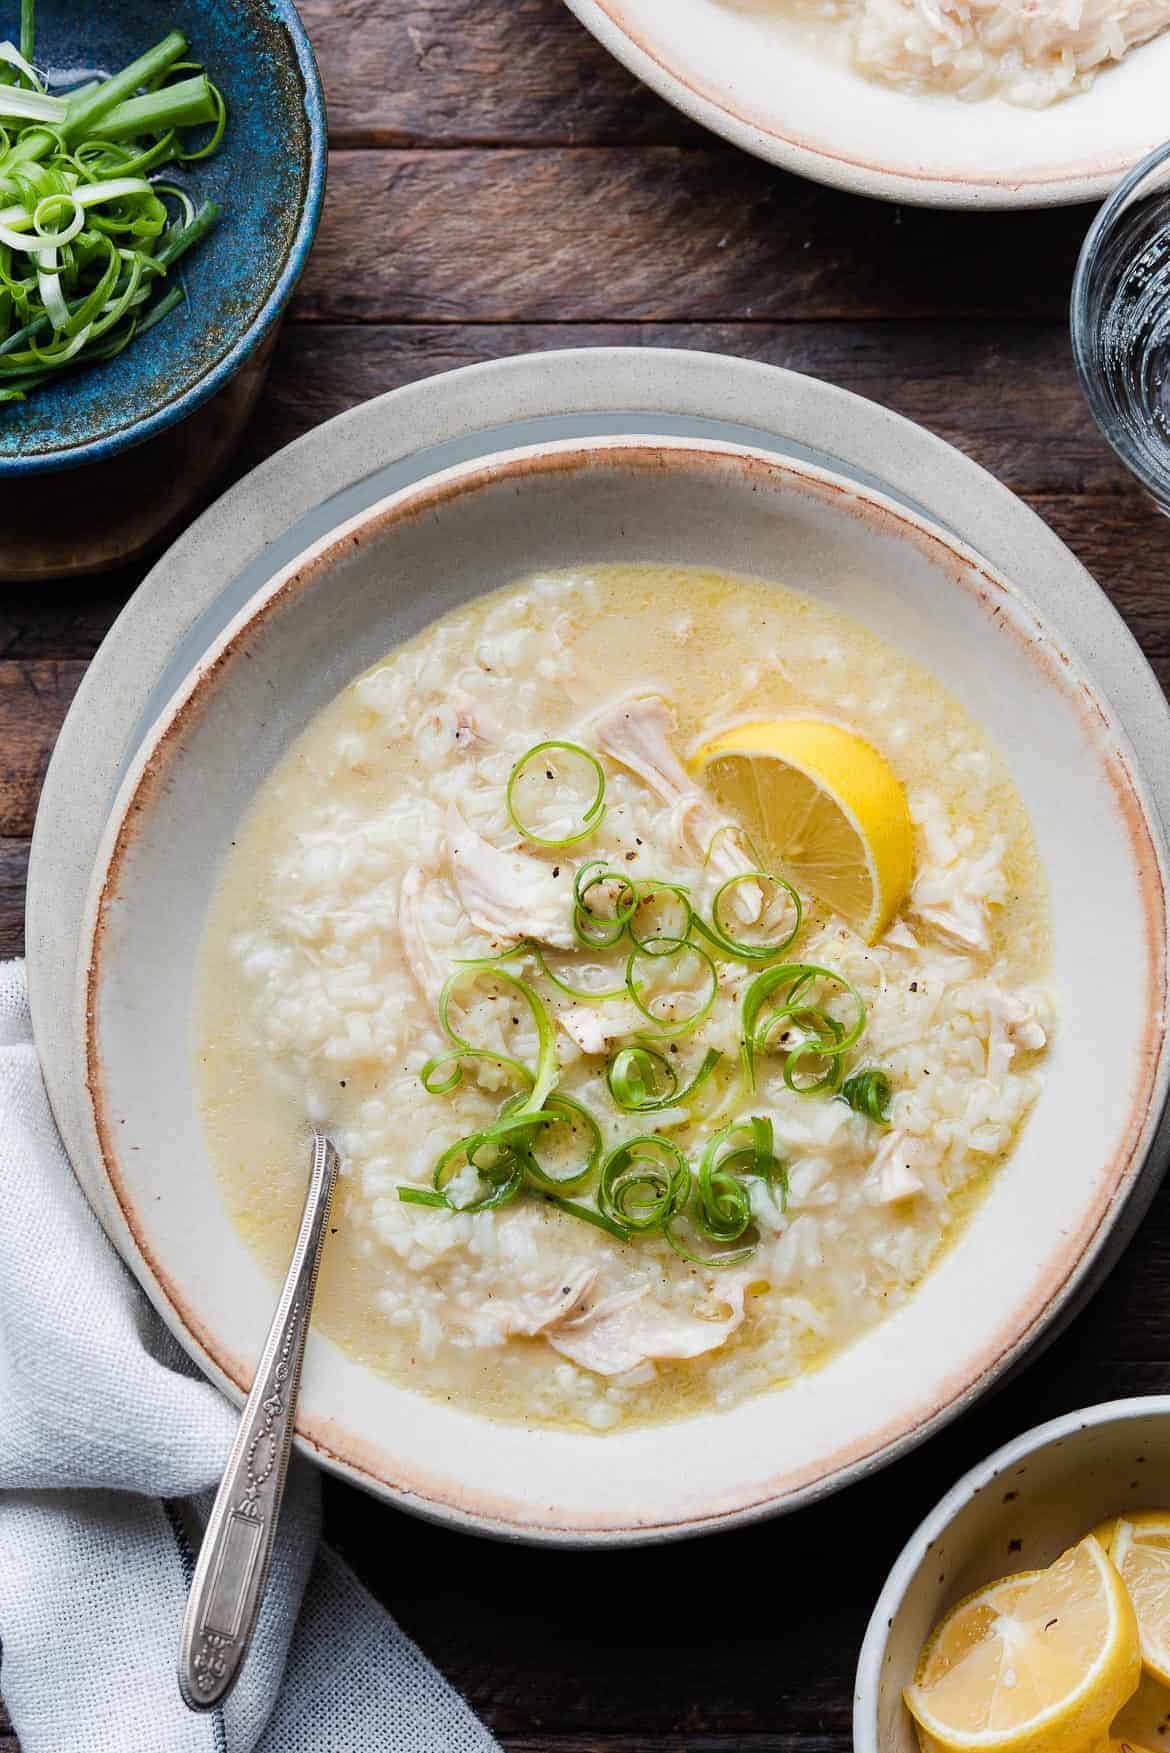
(718, 933)
(85, 113)
(540, 1081)
(562, 1110)
(592, 876)
(643, 1182)
(636, 1075)
(69, 187)
(28, 32)
(583, 994)
(425, 1196)
(504, 1177)
(659, 950)
(587, 1215)
(777, 1002)
(868, 1093)
(594, 811)
(648, 892)
(756, 1157)
(189, 104)
(733, 829)
(29, 106)
(720, 1207)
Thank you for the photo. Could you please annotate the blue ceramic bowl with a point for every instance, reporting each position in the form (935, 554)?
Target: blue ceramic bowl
(269, 178)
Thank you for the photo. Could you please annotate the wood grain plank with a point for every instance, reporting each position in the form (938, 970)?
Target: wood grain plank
(605, 234)
(1005, 393)
(13, 877)
(34, 697)
(457, 72)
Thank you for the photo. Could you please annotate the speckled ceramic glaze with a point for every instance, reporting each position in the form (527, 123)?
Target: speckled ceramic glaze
(1017, 1510)
(752, 71)
(376, 580)
(269, 178)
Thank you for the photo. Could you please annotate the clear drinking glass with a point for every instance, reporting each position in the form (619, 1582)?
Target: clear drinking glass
(1120, 320)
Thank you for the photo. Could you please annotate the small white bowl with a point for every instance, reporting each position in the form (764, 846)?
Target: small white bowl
(1017, 1510)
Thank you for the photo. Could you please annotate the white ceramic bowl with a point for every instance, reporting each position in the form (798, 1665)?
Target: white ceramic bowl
(377, 580)
(740, 68)
(1018, 1510)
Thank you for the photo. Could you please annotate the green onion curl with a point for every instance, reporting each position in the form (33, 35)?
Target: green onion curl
(586, 922)
(778, 1001)
(868, 1093)
(659, 950)
(539, 1082)
(717, 932)
(594, 811)
(643, 1182)
(635, 1077)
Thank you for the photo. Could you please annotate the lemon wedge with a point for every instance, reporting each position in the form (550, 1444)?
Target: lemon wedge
(1144, 1724)
(1141, 1552)
(1037, 1663)
(825, 806)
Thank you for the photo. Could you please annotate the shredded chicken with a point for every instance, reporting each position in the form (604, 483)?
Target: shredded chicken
(1012, 1024)
(473, 722)
(593, 1028)
(636, 732)
(962, 923)
(622, 1331)
(540, 1310)
(507, 894)
(893, 1169)
(426, 969)
(900, 936)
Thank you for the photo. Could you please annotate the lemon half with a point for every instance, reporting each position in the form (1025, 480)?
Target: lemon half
(1037, 1663)
(825, 806)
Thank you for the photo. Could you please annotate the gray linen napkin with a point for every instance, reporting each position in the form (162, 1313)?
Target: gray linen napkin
(105, 1430)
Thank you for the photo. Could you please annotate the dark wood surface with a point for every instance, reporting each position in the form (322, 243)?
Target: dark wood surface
(499, 185)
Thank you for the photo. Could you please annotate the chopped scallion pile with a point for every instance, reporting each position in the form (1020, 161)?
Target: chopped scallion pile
(88, 231)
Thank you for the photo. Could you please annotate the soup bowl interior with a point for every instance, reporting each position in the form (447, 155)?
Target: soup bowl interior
(378, 581)
(1018, 1510)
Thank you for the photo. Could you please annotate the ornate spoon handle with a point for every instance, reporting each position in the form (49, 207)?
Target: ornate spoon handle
(228, 1585)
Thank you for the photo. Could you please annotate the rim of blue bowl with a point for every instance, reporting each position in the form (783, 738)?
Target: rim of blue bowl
(97, 449)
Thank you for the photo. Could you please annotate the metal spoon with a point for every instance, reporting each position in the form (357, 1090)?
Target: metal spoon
(228, 1584)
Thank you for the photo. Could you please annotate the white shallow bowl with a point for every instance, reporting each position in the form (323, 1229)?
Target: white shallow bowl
(1045, 1490)
(378, 579)
(740, 68)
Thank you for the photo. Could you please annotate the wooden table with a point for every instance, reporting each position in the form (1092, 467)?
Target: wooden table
(499, 185)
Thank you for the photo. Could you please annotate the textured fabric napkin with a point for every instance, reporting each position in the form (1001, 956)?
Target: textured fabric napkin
(110, 1445)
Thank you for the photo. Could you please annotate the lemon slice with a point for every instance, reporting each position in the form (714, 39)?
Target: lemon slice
(825, 806)
(1037, 1663)
(1141, 1552)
